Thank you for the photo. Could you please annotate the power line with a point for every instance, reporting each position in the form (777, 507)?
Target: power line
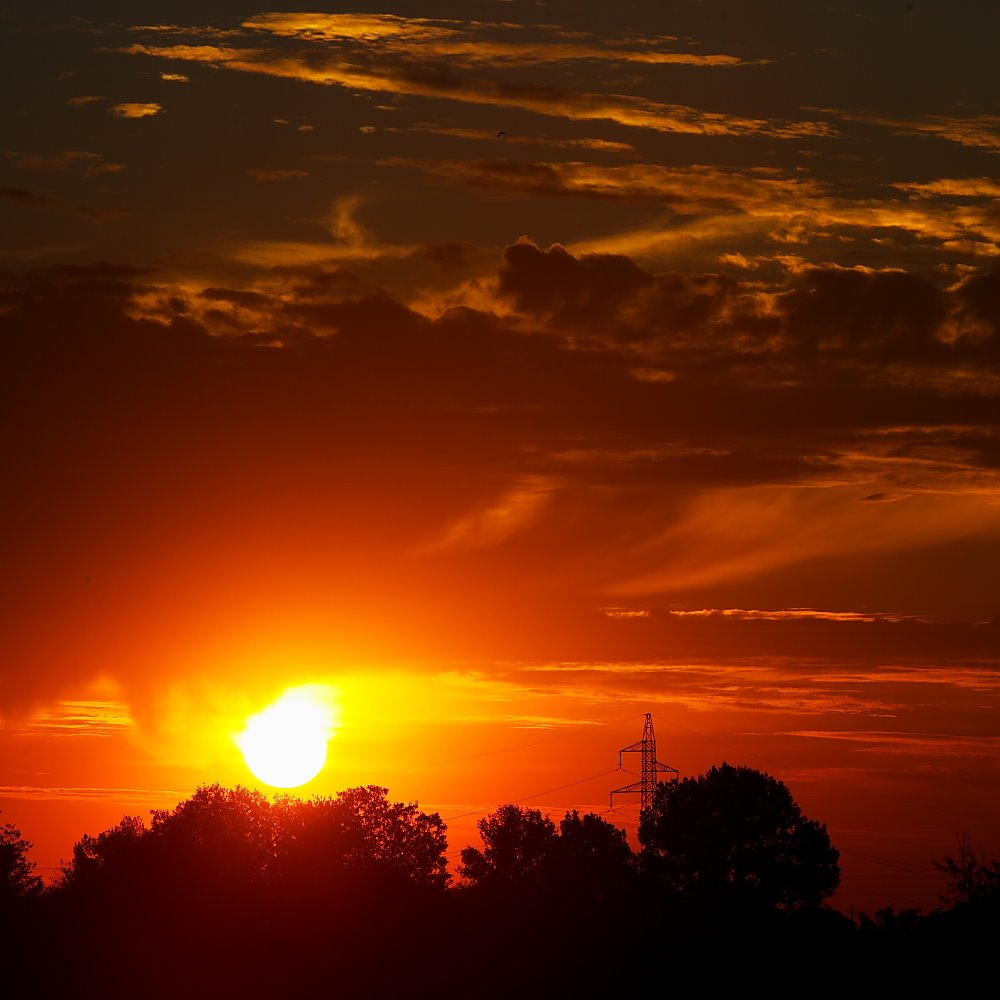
(903, 866)
(489, 753)
(534, 795)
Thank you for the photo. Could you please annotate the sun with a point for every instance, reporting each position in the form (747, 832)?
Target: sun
(285, 744)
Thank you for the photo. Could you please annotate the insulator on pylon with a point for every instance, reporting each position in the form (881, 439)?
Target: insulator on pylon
(651, 768)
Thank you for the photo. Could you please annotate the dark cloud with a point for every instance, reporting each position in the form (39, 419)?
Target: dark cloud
(888, 316)
(881, 498)
(22, 196)
(554, 284)
(979, 298)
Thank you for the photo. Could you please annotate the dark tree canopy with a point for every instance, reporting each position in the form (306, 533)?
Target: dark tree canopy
(517, 845)
(119, 851)
(586, 857)
(735, 837)
(594, 858)
(222, 838)
(360, 830)
(17, 873)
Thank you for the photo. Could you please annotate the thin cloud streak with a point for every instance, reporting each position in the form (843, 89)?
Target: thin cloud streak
(471, 43)
(126, 796)
(434, 81)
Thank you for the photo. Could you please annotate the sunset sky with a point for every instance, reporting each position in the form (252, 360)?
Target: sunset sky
(510, 370)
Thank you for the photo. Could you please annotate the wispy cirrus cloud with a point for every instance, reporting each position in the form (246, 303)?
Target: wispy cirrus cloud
(421, 73)
(473, 43)
(933, 745)
(689, 190)
(92, 719)
(954, 187)
(710, 205)
(482, 135)
(976, 131)
(266, 174)
(791, 614)
(127, 796)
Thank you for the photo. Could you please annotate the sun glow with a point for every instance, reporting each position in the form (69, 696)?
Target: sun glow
(285, 744)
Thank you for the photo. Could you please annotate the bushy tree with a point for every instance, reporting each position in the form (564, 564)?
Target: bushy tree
(735, 837)
(17, 873)
(218, 836)
(222, 838)
(593, 859)
(517, 846)
(586, 857)
(116, 853)
(361, 831)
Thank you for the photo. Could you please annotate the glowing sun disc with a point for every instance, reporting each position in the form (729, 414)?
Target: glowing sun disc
(285, 744)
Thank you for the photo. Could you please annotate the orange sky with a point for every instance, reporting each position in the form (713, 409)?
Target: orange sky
(678, 396)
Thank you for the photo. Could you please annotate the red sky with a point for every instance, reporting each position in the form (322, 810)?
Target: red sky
(678, 396)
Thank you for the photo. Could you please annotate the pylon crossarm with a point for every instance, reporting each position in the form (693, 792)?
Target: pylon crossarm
(636, 786)
(651, 767)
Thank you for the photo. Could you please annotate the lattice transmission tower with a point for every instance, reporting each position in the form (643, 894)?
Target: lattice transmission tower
(651, 767)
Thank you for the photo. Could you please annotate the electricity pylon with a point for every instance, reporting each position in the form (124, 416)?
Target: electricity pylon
(651, 767)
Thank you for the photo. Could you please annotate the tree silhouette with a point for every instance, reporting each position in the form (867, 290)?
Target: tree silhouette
(971, 881)
(17, 873)
(585, 859)
(361, 831)
(219, 837)
(518, 844)
(118, 855)
(233, 894)
(225, 839)
(735, 837)
(593, 860)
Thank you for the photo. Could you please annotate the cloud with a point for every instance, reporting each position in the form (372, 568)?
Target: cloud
(749, 531)
(961, 187)
(435, 79)
(68, 161)
(911, 744)
(472, 43)
(882, 498)
(175, 78)
(22, 196)
(489, 136)
(83, 100)
(975, 131)
(689, 189)
(791, 614)
(89, 719)
(265, 174)
(502, 518)
(205, 470)
(136, 109)
(166, 797)
(714, 207)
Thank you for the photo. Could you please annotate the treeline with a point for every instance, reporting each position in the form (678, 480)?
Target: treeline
(232, 894)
